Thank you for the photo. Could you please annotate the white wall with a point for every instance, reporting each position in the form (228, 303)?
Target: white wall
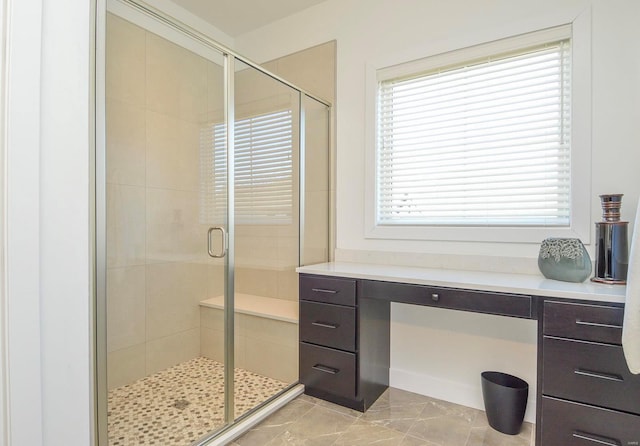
(65, 205)
(4, 438)
(21, 76)
(47, 222)
(441, 353)
(368, 31)
(173, 10)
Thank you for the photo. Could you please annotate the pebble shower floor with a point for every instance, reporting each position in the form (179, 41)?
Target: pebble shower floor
(179, 405)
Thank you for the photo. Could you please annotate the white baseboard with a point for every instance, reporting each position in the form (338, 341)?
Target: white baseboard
(454, 392)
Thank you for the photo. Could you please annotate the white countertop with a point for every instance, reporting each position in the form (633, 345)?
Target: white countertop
(529, 284)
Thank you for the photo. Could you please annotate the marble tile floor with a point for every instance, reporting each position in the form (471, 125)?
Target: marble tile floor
(181, 404)
(398, 418)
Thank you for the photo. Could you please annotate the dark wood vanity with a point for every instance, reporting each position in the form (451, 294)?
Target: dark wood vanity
(586, 395)
(344, 342)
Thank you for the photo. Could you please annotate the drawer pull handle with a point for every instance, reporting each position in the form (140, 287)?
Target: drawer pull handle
(325, 369)
(596, 438)
(597, 324)
(435, 297)
(325, 324)
(322, 290)
(607, 376)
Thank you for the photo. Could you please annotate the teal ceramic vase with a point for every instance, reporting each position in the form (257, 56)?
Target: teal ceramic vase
(564, 259)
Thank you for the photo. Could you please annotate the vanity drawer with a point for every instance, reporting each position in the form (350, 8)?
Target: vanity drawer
(573, 424)
(582, 321)
(328, 290)
(590, 373)
(328, 370)
(452, 298)
(329, 325)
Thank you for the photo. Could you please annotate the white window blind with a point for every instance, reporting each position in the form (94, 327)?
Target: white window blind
(480, 143)
(263, 170)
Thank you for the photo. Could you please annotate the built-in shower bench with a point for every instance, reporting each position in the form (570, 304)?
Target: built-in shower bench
(260, 306)
(266, 334)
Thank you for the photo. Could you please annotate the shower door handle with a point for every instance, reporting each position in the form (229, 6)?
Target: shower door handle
(224, 242)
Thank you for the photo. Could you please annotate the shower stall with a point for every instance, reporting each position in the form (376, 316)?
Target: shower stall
(215, 189)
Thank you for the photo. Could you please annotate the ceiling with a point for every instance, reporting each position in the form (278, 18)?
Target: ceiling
(236, 17)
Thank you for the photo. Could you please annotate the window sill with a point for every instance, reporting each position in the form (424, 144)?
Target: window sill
(476, 233)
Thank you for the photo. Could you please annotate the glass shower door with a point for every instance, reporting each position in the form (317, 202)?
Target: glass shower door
(267, 235)
(203, 233)
(166, 268)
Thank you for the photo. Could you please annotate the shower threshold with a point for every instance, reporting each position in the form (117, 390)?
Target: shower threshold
(181, 404)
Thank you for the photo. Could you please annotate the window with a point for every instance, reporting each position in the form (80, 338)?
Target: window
(483, 137)
(263, 170)
(485, 142)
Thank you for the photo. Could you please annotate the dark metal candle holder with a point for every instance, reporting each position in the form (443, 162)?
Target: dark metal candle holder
(612, 250)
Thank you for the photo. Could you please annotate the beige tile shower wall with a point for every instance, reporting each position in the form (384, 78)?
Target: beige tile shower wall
(159, 97)
(267, 253)
(317, 192)
(314, 70)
